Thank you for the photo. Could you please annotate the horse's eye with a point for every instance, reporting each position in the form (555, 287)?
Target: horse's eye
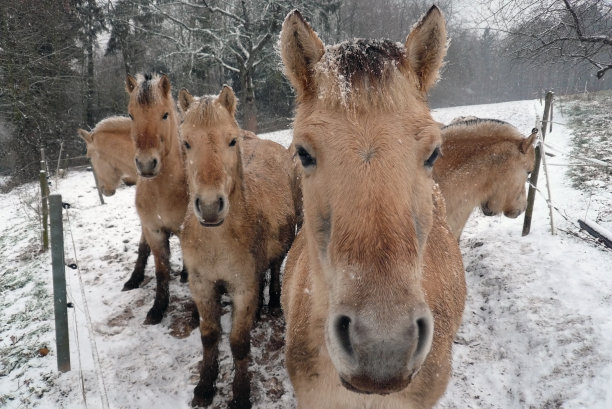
(186, 145)
(165, 116)
(305, 157)
(232, 142)
(432, 158)
(131, 117)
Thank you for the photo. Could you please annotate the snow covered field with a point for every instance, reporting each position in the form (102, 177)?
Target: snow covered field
(536, 333)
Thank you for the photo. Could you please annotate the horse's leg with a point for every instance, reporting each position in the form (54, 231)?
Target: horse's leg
(160, 247)
(260, 300)
(243, 316)
(141, 262)
(275, 287)
(184, 275)
(208, 301)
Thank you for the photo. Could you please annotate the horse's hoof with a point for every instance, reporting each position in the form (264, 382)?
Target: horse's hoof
(153, 317)
(130, 285)
(240, 403)
(203, 396)
(275, 311)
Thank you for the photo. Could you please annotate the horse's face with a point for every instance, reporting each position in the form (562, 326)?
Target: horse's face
(367, 144)
(510, 194)
(151, 109)
(107, 174)
(210, 142)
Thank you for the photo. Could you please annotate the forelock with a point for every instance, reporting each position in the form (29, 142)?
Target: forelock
(205, 112)
(147, 89)
(363, 72)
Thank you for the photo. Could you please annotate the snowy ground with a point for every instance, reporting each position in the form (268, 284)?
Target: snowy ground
(536, 333)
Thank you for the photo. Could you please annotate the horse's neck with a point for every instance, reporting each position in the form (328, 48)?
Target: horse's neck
(173, 170)
(239, 203)
(125, 155)
(465, 187)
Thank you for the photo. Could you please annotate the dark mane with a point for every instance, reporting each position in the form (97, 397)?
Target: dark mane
(470, 122)
(145, 94)
(204, 112)
(363, 58)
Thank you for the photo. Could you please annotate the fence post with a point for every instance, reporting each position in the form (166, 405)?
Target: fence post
(59, 284)
(97, 185)
(44, 195)
(533, 181)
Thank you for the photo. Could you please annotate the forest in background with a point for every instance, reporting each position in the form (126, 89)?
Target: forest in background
(63, 64)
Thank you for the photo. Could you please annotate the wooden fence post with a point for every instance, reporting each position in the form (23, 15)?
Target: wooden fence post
(44, 195)
(97, 185)
(533, 181)
(59, 284)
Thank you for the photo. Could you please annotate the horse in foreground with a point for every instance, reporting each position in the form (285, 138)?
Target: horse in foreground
(111, 151)
(241, 220)
(161, 190)
(484, 162)
(374, 286)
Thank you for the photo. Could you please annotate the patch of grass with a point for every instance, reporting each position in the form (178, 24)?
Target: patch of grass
(589, 117)
(25, 315)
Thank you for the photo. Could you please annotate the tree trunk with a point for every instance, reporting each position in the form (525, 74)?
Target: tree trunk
(247, 98)
(89, 95)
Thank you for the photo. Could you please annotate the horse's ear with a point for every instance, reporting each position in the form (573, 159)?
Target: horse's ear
(164, 85)
(300, 49)
(527, 143)
(426, 47)
(228, 99)
(185, 99)
(130, 83)
(87, 136)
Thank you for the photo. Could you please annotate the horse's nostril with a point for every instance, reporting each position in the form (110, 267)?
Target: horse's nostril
(343, 324)
(197, 205)
(424, 335)
(154, 163)
(221, 204)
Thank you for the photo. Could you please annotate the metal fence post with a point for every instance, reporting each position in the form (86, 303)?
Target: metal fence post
(59, 284)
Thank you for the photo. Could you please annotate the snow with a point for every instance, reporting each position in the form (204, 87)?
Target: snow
(536, 332)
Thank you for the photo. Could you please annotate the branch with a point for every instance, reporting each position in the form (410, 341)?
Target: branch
(602, 72)
(581, 37)
(221, 11)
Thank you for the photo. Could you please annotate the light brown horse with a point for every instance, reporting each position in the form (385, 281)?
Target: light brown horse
(240, 221)
(374, 287)
(161, 190)
(111, 151)
(484, 162)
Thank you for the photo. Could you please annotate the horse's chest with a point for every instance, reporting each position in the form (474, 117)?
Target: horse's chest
(165, 210)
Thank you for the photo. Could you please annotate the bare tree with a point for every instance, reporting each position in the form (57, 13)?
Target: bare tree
(237, 35)
(557, 30)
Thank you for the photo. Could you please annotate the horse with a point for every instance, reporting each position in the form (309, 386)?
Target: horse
(374, 285)
(241, 220)
(484, 162)
(161, 189)
(111, 151)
